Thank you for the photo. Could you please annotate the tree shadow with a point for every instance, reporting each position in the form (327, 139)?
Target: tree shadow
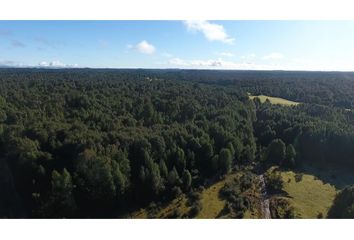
(339, 177)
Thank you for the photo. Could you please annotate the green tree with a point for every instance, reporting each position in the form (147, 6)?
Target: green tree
(290, 155)
(205, 158)
(95, 180)
(225, 159)
(173, 177)
(230, 146)
(187, 179)
(276, 151)
(156, 182)
(120, 181)
(214, 164)
(238, 148)
(61, 203)
(274, 182)
(179, 159)
(163, 169)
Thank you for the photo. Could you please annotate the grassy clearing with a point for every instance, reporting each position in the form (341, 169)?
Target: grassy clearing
(275, 100)
(212, 205)
(309, 196)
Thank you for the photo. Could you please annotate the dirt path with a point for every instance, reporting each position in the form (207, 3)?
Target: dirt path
(265, 199)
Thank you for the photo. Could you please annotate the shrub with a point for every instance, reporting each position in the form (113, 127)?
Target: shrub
(195, 209)
(274, 182)
(298, 177)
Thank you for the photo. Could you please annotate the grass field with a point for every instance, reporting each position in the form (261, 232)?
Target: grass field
(275, 100)
(310, 196)
(212, 205)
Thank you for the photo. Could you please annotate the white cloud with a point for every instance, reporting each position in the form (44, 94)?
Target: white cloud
(273, 56)
(43, 64)
(212, 31)
(56, 64)
(143, 47)
(297, 65)
(226, 54)
(213, 64)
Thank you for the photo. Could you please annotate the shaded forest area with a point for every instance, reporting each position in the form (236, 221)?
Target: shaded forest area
(89, 143)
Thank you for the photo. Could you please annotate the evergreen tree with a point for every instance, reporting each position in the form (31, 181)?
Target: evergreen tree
(61, 203)
(225, 159)
(163, 169)
(187, 180)
(173, 177)
(276, 151)
(290, 155)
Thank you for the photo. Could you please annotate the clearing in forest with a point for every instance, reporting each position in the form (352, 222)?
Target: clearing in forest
(274, 100)
(309, 196)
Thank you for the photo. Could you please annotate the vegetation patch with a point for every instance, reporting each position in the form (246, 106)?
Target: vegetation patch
(280, 207)
(242, 197)
(210, 203)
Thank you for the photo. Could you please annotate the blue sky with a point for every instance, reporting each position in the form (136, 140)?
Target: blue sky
(284, 45)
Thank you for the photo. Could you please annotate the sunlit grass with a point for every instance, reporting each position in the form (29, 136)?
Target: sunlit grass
(310, 196)
(275, 100)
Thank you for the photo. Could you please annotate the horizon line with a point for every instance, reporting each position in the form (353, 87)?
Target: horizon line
(183, 69)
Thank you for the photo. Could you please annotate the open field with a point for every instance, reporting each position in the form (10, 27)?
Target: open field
(212, 205)
(275, 100)
(309, 196)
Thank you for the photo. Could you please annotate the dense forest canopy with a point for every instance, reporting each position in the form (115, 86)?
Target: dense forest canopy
(100, 143)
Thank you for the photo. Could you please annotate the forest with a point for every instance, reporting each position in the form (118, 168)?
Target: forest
(104, 143)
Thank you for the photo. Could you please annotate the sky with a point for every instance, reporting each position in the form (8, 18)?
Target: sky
(261, 45)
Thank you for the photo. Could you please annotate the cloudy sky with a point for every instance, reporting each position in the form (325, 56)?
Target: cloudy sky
(269, 45)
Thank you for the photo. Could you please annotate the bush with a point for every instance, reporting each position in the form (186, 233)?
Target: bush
(194, 197)
(274, 182)
(298, 177)
(280, 208)
(195, 209)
